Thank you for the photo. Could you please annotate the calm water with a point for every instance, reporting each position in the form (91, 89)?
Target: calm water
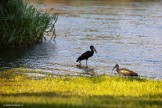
(128, 33)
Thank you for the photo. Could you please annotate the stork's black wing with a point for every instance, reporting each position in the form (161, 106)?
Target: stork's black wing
(85, 55)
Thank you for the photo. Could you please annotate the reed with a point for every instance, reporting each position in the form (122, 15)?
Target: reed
(22, 24)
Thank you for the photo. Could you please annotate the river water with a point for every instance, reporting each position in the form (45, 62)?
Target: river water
(127, 32)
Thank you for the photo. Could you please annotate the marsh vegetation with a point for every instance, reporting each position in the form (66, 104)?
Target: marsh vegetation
(21, 24)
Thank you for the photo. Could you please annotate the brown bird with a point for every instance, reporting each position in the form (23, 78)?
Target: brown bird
(124, 71)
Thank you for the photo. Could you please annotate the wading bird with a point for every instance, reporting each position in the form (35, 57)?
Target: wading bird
(86, 55)
(124, 71)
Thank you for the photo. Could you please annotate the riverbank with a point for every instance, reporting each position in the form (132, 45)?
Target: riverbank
(17, 88)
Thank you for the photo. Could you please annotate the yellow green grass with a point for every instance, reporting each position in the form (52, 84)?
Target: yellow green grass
(84, 92)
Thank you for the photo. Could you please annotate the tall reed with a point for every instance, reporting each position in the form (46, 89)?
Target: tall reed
(21, 24)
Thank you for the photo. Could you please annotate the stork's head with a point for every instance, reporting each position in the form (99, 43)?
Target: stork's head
(93, 48)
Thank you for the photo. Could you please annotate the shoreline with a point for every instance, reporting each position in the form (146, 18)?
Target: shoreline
(98, 91)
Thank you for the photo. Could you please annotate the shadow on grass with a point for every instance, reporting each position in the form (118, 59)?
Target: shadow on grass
(7, 74)
(61, 100)
(131, 79)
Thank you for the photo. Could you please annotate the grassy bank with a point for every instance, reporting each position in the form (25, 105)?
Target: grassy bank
(99, 91)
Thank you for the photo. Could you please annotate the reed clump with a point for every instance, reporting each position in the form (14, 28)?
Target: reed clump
(22, 24)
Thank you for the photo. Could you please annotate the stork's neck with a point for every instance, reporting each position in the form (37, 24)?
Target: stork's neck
(92, 50)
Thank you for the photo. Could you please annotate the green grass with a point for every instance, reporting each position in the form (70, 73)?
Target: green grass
(83, 92)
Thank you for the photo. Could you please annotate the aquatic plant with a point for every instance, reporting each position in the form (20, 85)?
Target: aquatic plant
(22, 24)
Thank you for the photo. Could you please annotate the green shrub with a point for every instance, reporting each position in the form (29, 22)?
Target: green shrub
(21, 24)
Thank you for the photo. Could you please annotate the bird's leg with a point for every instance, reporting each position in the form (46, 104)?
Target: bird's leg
(86, 64)
(80, 63)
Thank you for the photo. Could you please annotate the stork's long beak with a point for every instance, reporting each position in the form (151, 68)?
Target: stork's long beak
(94, 49)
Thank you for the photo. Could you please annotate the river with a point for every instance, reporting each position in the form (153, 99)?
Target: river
(124, 32)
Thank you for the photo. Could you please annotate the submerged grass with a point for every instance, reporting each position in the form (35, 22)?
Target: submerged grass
(22, 25)
(98, 91)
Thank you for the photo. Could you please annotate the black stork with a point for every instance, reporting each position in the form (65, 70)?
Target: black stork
(86, 55)
(124, 71)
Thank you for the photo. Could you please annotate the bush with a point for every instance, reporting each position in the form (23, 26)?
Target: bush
(21, 24)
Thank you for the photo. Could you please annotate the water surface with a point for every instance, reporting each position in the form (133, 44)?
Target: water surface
(128, 33)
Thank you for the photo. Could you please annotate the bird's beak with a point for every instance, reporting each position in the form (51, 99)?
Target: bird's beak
(94, 49)
(113, 68)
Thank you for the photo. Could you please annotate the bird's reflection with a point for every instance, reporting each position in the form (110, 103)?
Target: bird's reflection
(87, 70)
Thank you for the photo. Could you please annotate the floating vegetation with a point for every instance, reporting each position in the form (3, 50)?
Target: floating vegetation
(23, 25)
